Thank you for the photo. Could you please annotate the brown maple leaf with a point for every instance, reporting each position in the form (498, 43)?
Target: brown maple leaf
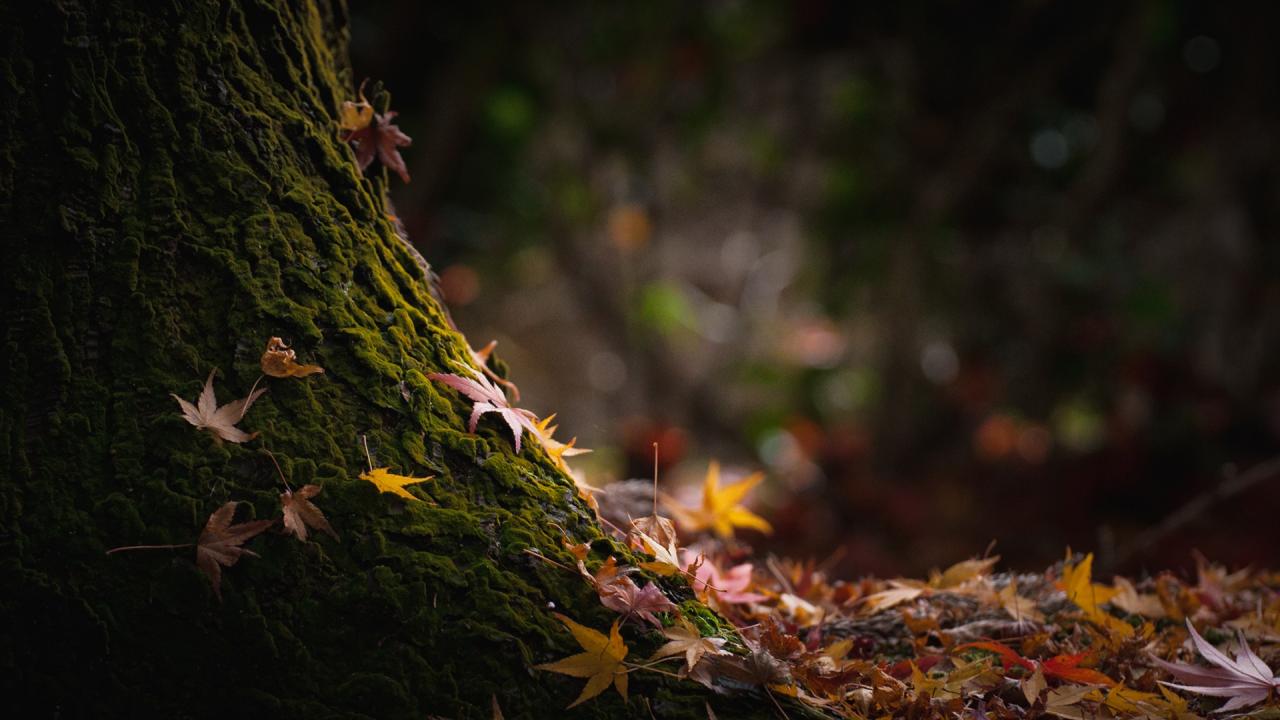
(278, 360)
(221, 421)
(299, 513)
(220, 543)
(380, 137)
(622, 595)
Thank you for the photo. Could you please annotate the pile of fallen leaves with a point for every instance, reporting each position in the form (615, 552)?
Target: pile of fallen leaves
(967, 642)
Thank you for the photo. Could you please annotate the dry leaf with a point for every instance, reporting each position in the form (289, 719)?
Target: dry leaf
(623, 596)
(666, 559)
(558, 451)
(357, 115)
(1128, 599)
(600, 661)
(299, 513)
(489, 398)
(1247, 680)
(391, 483)
(278, 360)
(721, 510)
(684, 639)
(221, 421)
(220, 543)
(963, 572)
(380, 137)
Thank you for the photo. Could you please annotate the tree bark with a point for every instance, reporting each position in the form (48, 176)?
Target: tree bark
(172, 194)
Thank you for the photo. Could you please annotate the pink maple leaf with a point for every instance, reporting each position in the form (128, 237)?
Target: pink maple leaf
(489, 398)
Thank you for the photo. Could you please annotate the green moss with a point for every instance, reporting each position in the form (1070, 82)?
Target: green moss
(172, 194)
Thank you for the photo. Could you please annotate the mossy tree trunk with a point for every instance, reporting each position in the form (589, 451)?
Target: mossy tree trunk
(172, 194)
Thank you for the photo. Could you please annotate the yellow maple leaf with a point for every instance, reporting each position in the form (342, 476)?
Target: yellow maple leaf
(600, 661)
(721, 509)
(1077, 582)
(391, 483)
(558, 451)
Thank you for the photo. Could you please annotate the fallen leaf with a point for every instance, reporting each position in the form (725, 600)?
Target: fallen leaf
(666, 559)
(1066, 667)
(1022, 609)
(888, 598)
(221, 421)
(380, 137)
(684, 639)
(220, 543)
(481, 359)
(489, 398)
(278, 360)
(355, 115)
(391, 483)
(1128, 599)
(300, 513)
(1245, 681)
(962, 572)
(721, 510)
(600, 661)
(624, 596)
(558, 451)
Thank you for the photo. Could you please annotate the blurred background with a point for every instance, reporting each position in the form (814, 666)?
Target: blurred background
(948, 272)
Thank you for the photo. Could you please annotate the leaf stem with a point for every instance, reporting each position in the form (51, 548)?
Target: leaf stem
(365, 439)
(149, 547)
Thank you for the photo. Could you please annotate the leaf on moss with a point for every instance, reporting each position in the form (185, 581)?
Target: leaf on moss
(600, 662)
(221, 421)
(489, 398)
(388, 482)
(623, 596)
(300, 513)
(220, 543)
(379, 137)
(685, 639)
(278, 360)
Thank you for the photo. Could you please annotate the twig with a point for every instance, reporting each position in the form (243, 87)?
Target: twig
(273, 461)
(149, 547)
(365, 439)
(1232, 484)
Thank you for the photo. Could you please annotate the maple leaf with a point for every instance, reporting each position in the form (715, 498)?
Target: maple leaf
(1089, 596)
(726, 586)
(300, 513)
(1021, 609)
(895, 595)
(481, 359)
(278, 360)
(220, 543)
(600, 661)
(1128, 599)
(488, 398)
(391, 483)
(721, 511)
(1066, 667)
(1245, 681)
(558, 451)
(380, 137)
(221, 421)
(623, 596)
(684, 639)
(666, 559)
(962, 572)
(355, 115)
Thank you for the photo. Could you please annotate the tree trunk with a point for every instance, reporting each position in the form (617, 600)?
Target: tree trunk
(173, 194)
